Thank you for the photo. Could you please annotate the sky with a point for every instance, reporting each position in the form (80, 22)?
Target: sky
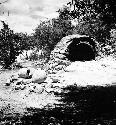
(25, 15)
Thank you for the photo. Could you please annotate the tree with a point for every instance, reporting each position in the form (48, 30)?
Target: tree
(49, 33)
(7, 51)
(104, 9)
(22, 41)
(95, 17)
(64, 13)
(11, 44)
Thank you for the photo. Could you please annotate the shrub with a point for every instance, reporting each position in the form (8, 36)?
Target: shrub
(49, 33)
(11, 44)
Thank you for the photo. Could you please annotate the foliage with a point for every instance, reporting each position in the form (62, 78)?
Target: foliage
(105, 9)
(49, 33)
(20, 40)
(11, 44)
(95, 17)
(64, 13)
(7, 50)
(33, 56)
(95, 29)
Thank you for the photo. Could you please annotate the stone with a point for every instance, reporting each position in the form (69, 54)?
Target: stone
(8, 82)
(32, 70)
(23, 81)
(39, 89)
(39, 76)
(73, 48)
(19, 87)
(23, 73)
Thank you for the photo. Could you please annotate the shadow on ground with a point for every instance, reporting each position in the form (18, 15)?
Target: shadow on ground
(81, 106)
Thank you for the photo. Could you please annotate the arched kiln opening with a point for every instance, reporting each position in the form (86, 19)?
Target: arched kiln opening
(81, 49)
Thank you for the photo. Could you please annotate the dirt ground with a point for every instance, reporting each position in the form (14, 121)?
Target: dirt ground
(16, 102)
(93, 105)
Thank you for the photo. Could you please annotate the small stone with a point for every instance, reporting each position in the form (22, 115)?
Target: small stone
(31, 89)
(23, 73)
(19, 87)
(8, 82)
(19, 82)
(39, 89)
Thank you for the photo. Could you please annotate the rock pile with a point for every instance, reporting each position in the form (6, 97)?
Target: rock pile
(27, 77)
(72, 48)
(82, 74)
